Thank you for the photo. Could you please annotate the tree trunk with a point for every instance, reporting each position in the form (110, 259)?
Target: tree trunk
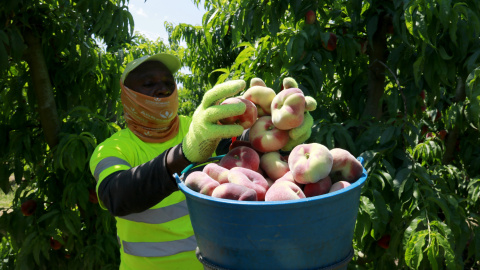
(42, 86)
(376, 72)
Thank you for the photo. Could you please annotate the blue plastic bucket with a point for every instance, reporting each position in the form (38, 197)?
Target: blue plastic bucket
(310, 233)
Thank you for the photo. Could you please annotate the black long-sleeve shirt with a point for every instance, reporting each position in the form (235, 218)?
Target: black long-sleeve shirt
(142, 187)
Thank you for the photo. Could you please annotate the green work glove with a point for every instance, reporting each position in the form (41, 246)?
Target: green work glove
(301, 133)
(205, 133)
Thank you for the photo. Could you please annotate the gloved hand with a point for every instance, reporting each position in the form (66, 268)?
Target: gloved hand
(301, 133)
(204, 133)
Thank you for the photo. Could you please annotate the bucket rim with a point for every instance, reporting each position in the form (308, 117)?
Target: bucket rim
(187, 191)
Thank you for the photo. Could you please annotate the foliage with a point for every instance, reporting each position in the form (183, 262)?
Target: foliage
(82, 46)
(401, 89)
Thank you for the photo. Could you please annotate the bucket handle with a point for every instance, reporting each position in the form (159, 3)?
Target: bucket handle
(362, 161)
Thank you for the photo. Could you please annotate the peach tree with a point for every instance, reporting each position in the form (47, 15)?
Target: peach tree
(397, 82)
(60, 65)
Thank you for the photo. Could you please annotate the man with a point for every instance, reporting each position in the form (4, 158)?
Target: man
(134, 167)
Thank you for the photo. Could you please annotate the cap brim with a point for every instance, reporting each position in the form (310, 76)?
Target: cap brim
(169, 60)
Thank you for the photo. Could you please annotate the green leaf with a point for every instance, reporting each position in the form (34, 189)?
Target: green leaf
(443, 205)
(448, 252)
(432, 254)
(417, 69)
(3, 58)
(37, 247)
(208, 19)
(244, 56)
(473, 95)
(410, 230)
(380, 177)
(400, 177)
(477, 243)
(363, 226)
(17, 44)
(409, 19)
(330, 140)
(29, 242)
(414, 249)
(368, 207)
(444, 13)
(387, 135)
(5, 178)
(381, 207)
(371, 28)
(48, 215)
(423, 175)
(70, 226)
(4, 38)
(444, 53)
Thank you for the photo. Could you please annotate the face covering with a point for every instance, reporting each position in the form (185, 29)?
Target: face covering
(152, 119)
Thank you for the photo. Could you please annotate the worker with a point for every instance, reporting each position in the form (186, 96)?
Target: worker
(134, 168)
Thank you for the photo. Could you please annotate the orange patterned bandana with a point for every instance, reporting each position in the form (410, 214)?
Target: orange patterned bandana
(153, 120)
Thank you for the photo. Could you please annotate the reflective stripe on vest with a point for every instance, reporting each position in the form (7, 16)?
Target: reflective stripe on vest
(159, 249)
(107, 163)
(159, 215)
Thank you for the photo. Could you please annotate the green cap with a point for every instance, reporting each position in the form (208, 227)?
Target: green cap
(171, 61)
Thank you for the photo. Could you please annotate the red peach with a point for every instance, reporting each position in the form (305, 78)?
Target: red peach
(253, 176)
(310, 17)
(319, 188)
(201, 182)
(274, 165)
(345, 166)
(289, 82)
(331, 43)
(55, 244)
(288, 176)
(217, 172)
(262, 97)
(441, 134)
(234, 192)
(310, 162)
(339, 185)
(254, 181)
(28, 207)
(284, 190)
(243, 143)
(288, 108)
(92, 196)
(246, 119)
(265, 137)
(241, 156)
(257, 82)
(384, 241)
(438, 116)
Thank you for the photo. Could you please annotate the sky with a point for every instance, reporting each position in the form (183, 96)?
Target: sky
(149, 16)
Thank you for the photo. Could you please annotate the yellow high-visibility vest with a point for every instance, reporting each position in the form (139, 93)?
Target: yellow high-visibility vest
(161, 237)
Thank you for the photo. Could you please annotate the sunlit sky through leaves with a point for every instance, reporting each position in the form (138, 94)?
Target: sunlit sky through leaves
(150, 16)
